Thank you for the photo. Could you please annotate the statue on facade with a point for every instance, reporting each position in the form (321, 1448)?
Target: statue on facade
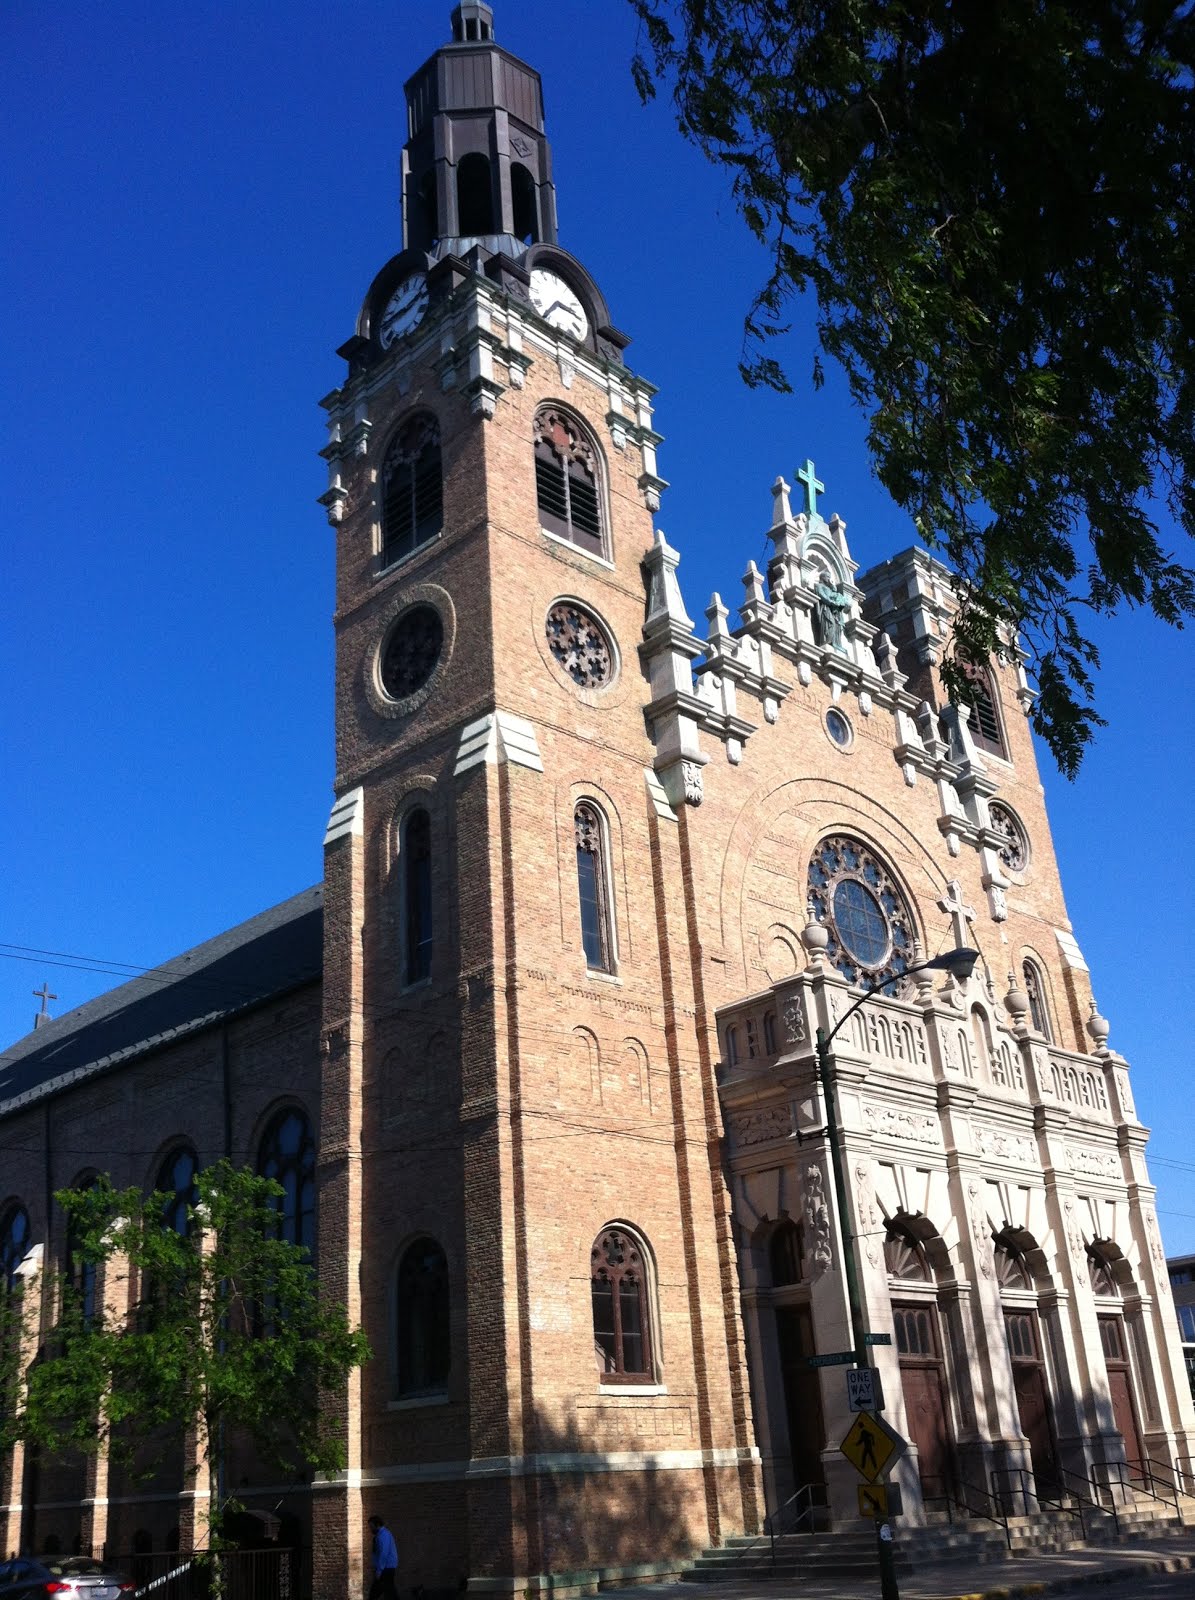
(829, 614)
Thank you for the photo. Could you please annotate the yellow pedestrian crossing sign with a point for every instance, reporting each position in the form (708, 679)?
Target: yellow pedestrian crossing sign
(871, 1446)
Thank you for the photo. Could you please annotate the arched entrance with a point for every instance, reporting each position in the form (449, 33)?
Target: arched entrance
(1013, 1259)
(1106, 1264)
(795, 1344)
(919, 1345)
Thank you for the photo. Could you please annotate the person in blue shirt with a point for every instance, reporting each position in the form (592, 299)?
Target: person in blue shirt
(385, 1561)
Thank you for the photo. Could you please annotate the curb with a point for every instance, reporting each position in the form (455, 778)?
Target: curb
(1143, 1568)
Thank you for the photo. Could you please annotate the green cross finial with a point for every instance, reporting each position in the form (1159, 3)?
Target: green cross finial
(813, 487)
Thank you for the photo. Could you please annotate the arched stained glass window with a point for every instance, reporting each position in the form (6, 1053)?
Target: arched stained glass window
(566, 482)
(854, 894)
(176, 1180)
(412, 488)
(14, 1244)
(81, 1273)
(423, 1348)
(619, 1290)
(593, 888)
(288, 1156)
(415, 866)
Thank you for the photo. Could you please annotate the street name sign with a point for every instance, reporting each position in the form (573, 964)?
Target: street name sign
(840, 1358)
(877, 1338)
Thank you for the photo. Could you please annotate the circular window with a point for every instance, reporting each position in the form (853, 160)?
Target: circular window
(1014, 847)
(838, 728)
(855, 896)
(579, 644)
(412, 651)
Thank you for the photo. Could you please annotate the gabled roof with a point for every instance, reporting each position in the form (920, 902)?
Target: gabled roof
(276, 951)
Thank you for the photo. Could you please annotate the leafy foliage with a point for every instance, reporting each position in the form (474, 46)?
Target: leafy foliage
(228, 1327)
(992, 204)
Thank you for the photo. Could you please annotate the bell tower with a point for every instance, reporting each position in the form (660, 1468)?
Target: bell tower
(512, 1102)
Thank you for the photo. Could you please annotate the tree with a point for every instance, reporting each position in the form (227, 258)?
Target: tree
(229, 1331)
(992, 203)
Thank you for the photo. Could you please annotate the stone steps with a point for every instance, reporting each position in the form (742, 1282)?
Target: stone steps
(851, 1552)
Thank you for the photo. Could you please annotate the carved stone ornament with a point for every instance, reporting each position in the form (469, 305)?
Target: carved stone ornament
(1156, 1251)
(1074, 1238)
(981, 1233)
(817, 1222)
(1000, 1145)
(1094, 1163)
(764, 1126)
(910, 1127)
(794, 1020)
(869, 1217)
(694, 787)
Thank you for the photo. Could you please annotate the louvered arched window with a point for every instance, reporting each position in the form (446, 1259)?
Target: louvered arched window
(412, 488)
(593, 890)
(984, 721)
(567, 485)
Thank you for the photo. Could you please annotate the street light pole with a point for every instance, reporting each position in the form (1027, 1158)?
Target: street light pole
(960, 963)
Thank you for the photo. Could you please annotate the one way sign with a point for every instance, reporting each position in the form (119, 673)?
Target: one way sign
(863, 1392)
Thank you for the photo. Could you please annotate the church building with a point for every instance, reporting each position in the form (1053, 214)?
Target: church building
(536, 1064)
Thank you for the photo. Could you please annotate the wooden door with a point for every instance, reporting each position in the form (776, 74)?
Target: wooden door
(1033, 1403)
(923, 1383)
(1120, 1386)
(802, 1394)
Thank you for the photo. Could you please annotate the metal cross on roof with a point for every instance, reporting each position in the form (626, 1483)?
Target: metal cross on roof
(43, 994)
(813, 486)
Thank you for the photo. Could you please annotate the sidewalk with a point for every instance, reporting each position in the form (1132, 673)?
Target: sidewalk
(998, 1580)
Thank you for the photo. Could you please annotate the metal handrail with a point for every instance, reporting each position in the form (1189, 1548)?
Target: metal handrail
(1092, 1498)
(1185, 1472)
(1150, 1483)
(808, 1490)
(952, 1499)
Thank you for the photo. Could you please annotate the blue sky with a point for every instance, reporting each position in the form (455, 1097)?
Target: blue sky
(195, 200)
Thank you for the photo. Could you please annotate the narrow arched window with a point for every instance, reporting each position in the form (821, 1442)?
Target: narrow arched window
(619, 1291)
(524, 204)
(287, 1155)
(423, 1350)
(593, 888)
(415, 863)
(81, 1272)
(14, 1244)
(566, 482)
(176, 1180)
(984, 720)
(786, 1253)
(474, 195)
(1039, 1017)
(412, 488)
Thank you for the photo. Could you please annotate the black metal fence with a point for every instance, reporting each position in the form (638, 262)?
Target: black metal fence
(266, 1574)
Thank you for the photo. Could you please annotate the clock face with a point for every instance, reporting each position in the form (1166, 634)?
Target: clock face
(404, 310)
(557, 304)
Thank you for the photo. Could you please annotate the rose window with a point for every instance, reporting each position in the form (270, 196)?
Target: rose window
(578, 642)
(852, 893)
(1013, 847)
(412, 652)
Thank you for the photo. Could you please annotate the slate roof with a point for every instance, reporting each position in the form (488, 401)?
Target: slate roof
(274, 952)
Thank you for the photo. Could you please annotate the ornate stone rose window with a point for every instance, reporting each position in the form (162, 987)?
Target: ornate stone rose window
(412, 651)
(1014, 847)
(578, 642)
(855, 897)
